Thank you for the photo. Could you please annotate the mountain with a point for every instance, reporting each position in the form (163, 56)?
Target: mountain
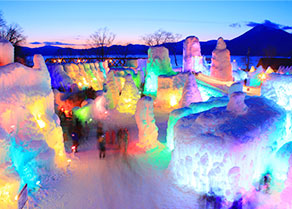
(261, 40)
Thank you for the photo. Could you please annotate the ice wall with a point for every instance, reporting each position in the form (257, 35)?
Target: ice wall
(221, 67)
(84, 75)
(129, 97)
(27, 111)
(6, 52)
(191, 92)
(191, 49)
(148, 131)
(278, 88)
(60, 80)
(227, 153)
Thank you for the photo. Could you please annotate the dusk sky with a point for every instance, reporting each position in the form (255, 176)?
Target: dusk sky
(74, 21)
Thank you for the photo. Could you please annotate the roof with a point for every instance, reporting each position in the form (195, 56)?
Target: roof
(274, 63)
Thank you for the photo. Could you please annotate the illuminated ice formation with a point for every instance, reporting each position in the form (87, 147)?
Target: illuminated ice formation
(151, 84)
(6, 52)
(269, 70)
(112, 93)
(98, 108)
(221, 67)
(194, 108)
(236, 103)
(129, 97)
(285, 70)
(148, 131)
(84, 75)
(158, 61)
(254, 78)
(191, 50)
(27, 112)
(60, 80)
(227, 153)
(239, 75)
(191, 92)
(170, 91)
(278, 88)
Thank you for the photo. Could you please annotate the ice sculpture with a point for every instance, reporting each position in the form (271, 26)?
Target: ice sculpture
(191, 53)
(27, 113)
(151, 84)
(158, 61)
(269, 70)
(236, 103)
(99, 111)
(6, 52)
(221, 67)
(129, 97)
(227, 153)
(191, 92)
(148, 131)
(254, 76)
(112, 93)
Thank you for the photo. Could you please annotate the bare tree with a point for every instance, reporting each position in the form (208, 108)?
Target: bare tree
(161, 37)
(2, 21)
(102, 38)
(13, 33)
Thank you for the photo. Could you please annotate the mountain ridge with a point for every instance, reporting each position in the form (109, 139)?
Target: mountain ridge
(261, 40)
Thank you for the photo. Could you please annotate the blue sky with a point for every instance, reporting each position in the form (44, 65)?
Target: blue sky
(74, 21)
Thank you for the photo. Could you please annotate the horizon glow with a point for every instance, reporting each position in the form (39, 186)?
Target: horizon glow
(73, 22)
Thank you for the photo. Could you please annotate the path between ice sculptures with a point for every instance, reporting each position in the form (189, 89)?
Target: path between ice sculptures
(133, 181)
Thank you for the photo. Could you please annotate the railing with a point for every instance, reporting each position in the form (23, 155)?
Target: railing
(112, 61)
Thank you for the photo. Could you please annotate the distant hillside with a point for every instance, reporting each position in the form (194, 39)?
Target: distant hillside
(262, 41)
(259, 41)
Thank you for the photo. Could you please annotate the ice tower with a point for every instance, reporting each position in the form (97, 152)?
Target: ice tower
(221, 67)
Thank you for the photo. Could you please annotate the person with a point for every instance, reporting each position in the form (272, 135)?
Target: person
(101, 142)
(75, 140)
(86, 130)
(126, 139)
(120, 136)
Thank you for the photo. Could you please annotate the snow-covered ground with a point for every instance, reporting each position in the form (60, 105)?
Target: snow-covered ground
(135, 180)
